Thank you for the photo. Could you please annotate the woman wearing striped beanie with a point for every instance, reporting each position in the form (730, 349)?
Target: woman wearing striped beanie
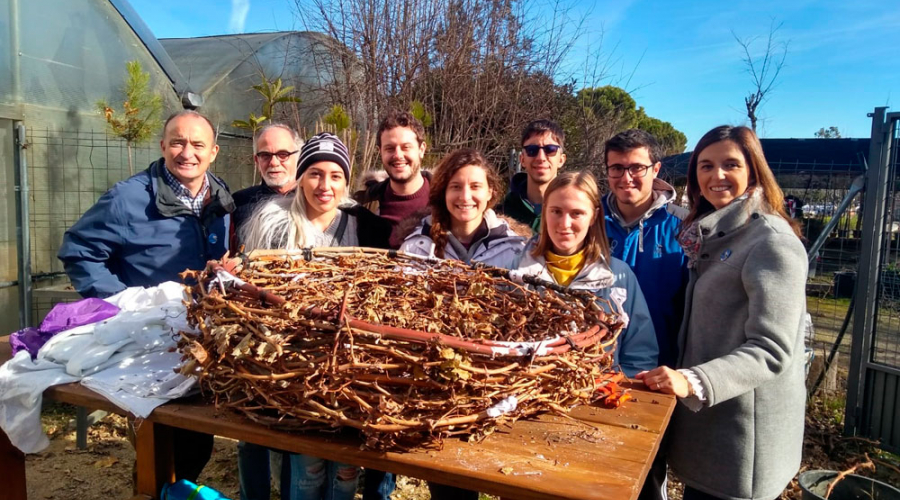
(322, 213)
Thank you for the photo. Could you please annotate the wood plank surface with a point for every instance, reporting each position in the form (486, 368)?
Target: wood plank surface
(605, 454)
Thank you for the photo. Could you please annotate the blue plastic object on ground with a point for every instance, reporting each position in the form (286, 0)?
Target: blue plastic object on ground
(186, 490)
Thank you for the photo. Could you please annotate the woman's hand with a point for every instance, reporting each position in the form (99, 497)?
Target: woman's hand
(666, 381)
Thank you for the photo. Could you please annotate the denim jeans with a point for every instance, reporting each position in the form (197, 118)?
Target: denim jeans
(318, 479)
(254, 472)
(378, 485)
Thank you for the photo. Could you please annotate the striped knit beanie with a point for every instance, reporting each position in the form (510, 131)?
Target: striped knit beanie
(324, 147)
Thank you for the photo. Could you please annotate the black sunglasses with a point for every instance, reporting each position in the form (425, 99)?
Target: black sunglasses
(533, 149)
(282, 155)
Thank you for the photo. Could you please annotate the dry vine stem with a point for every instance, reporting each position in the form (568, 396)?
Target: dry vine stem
(404, 349)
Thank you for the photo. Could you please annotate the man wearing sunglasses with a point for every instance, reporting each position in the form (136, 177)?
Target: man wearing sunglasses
(275, 153)
(542, 156)
(642, 223)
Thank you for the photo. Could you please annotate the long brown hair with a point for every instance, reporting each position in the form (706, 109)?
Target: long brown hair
(760, 174)
(437, 196)
(595, 243)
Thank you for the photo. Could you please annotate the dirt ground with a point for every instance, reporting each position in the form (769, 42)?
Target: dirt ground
(103, 470)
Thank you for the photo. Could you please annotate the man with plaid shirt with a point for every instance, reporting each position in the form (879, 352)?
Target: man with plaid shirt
(147, 229)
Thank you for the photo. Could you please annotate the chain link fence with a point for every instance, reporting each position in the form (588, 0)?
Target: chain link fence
(815, 175)
(69, 170)
(886, 340)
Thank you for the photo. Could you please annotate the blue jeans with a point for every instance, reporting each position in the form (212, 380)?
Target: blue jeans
(254, 473)
(378, 485)
(318, 479)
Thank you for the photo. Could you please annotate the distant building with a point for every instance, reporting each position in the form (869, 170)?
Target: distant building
(60, 57)
(223, 69)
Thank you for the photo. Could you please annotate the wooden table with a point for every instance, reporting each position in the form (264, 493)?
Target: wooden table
(600, 454)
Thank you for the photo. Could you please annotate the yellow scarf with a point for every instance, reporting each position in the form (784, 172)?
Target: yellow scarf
(564, 268)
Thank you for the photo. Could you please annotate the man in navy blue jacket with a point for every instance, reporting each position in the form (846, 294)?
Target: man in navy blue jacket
(146, 229)
(642, 223)
(150, 227)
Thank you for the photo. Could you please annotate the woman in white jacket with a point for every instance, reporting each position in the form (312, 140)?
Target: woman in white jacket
(572, 251)
(462, 224)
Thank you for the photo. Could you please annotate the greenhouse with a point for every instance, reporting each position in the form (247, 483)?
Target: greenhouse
(51, 80)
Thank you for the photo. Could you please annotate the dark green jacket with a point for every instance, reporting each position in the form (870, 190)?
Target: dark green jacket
(517, 206)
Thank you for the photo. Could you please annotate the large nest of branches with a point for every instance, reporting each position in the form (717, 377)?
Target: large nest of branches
(404, 349)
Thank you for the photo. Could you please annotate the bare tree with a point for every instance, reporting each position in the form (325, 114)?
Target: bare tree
(763, 70)
(480, 68)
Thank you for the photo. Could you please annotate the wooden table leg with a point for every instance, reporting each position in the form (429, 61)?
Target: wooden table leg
(155, 460)
(12, 465)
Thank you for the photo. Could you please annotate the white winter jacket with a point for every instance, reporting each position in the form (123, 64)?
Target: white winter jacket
(499, 248)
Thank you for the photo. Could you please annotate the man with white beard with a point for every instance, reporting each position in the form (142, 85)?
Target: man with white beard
(275, 154)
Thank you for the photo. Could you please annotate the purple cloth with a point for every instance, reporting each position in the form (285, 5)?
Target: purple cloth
(64, 316)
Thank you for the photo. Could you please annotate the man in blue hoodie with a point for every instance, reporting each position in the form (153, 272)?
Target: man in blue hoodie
(542, 157)
(642, 223)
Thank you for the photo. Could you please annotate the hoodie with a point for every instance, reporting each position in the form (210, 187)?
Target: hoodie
(649, 245)
(517, 206)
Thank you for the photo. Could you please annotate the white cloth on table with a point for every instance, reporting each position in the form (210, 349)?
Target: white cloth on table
(125, 358)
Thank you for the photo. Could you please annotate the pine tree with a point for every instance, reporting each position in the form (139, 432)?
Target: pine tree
(141, 111)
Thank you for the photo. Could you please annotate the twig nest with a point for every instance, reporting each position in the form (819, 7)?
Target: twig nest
(404, 349)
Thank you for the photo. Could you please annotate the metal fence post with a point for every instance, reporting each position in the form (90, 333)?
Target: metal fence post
(866, 307)
(23, 233)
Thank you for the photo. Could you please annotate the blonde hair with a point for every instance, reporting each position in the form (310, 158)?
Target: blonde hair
(596, 246)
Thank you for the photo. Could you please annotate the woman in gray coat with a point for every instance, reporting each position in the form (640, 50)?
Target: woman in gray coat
(738, 433)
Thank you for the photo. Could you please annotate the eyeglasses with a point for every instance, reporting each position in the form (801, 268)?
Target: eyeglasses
(533, 149)
(282, 155)
(635, 169)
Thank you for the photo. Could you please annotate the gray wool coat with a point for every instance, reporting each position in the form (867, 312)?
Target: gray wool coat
(743, 336)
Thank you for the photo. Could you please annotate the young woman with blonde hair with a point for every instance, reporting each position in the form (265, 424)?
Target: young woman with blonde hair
(572, 250)
(320, 214)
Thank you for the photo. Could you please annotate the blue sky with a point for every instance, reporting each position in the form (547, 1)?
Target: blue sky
(679, 59)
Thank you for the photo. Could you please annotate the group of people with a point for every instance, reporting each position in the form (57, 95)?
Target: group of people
(713, 296)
